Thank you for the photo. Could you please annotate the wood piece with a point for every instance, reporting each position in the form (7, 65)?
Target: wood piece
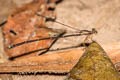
(58, 62)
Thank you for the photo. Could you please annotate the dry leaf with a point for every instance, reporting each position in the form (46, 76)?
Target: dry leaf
(25, 25)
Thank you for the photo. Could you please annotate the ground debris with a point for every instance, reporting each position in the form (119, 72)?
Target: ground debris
(24, 25)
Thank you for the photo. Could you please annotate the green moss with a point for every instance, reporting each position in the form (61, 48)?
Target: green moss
(94, 64)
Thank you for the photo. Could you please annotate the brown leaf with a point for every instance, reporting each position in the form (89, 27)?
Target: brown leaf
(25, 25)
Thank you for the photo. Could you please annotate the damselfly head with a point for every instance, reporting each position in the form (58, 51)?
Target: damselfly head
(94, 31)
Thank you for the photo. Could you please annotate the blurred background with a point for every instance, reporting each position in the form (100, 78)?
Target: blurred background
(104, 15)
